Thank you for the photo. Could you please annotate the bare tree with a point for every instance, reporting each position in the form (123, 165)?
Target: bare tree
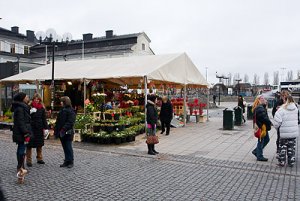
(289, 76)
(256, 79)
(246, 78)
(235, 78)
(276, 78)
(266, 79)
(229, 79)
(298, 74)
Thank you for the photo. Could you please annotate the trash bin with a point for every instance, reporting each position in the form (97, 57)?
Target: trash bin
(249, 112)
(238, 115)
(227, 119)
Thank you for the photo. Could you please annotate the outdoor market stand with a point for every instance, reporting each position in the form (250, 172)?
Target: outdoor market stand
(175, 69)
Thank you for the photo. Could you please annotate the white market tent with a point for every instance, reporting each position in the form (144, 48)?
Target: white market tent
(132, 70)
(172, 68)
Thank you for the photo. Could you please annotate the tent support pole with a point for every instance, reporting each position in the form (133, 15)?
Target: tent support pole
(37, 86)
(146, 94)
(207, 106)
(84, 95)
(184, 105)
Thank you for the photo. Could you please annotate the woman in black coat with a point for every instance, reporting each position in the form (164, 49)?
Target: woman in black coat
(38, 125)
(21, 129)
(166, 115)
(64, 130)
(152, 117)
(261, 117)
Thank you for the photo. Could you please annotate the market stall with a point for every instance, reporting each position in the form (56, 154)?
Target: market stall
(134, 72)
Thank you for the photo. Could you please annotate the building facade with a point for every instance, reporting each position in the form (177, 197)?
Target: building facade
(20, 53)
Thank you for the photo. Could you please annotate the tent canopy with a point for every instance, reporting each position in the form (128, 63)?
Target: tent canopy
(171, 68)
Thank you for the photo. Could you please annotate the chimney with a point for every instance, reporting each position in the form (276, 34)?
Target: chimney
(15, 29)
(109, 33)
(30, 35)
(87, 36)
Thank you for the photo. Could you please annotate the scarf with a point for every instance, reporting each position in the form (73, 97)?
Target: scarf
(37, 105)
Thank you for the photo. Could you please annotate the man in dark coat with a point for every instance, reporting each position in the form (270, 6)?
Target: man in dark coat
(21, 129)
(64, 130)
(166, 115)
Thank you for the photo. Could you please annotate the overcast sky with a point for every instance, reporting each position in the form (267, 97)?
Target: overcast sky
(237, 36)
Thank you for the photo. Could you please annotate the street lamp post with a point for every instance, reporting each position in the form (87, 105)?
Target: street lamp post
(238, 80)
(220, 80)
(49, 40)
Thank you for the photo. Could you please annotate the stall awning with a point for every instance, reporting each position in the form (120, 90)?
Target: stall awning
(172, 68)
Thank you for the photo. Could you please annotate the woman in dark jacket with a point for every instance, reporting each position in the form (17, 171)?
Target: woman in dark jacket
(152, 117)
(242, 104)
(64, 130)
(166, 115)
(38, 125)
(21, 130)
(261, 116)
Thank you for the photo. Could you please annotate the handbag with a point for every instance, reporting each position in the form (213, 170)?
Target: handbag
(257, 130)
(152, 139)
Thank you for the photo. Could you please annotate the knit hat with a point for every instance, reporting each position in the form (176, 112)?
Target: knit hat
(19, 96)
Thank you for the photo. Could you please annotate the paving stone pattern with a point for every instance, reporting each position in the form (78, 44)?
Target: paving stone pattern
(221, 168)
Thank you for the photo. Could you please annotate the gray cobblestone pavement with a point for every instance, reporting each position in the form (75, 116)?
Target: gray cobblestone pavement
(118, 173)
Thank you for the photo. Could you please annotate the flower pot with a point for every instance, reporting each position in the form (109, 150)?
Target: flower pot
(123, 139)
(100, 140)
(106, 140)
(117, 140)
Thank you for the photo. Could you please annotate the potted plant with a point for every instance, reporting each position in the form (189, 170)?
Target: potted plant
(106, 138)
(117, 137)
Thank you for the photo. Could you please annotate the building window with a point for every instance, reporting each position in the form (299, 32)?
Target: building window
(26, 50)
(12, 48)
(143, 46)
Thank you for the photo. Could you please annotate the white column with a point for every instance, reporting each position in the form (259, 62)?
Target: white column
(184, 105)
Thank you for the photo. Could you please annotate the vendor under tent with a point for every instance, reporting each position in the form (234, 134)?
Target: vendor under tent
(170, 68)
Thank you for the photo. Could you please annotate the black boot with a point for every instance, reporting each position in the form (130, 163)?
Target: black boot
(154, 149)
(19, 162)
(150, 151)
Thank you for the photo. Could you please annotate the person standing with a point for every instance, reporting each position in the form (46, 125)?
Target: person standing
(280, 100)
(38, 125)
(263, 122)
(242, 104)
(64, 130)
(166, 115)
(214, 98)
(152, 117)
(286, 121)
(21, 130)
